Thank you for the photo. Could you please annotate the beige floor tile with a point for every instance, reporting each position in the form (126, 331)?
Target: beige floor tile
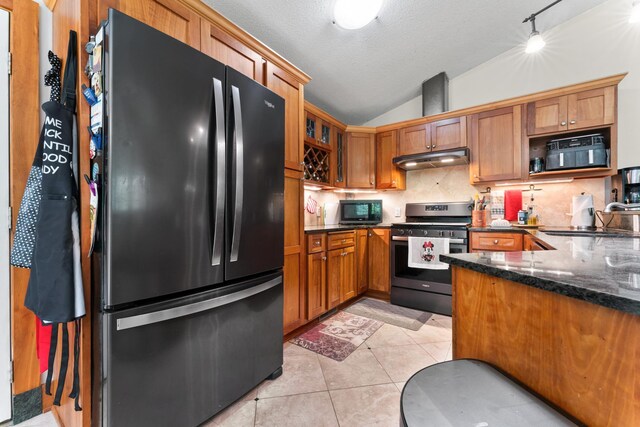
(303, 410)
(359, 369)
(301, 374)
(438, 350)
(431, 332)
(295, 350)
(43, 420)
(403, 361)
(400, 385)
(388, 335)
(445, 321)
(240, 414)
(377, 405)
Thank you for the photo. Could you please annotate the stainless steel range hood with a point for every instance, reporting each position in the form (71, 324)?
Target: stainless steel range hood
(436, 159)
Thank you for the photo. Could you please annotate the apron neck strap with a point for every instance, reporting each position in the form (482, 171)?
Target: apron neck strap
(70, 70)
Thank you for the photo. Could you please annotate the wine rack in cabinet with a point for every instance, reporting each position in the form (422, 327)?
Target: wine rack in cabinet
(316, 164)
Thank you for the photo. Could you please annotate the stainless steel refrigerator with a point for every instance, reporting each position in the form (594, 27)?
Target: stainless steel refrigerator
(188, 262)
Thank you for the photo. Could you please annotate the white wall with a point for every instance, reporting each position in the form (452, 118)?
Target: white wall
(597, 43)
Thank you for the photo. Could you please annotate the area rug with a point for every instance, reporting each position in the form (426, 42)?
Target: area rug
(393, 314)
(338, 336)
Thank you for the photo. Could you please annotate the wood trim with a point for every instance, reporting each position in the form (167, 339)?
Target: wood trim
(24, 130)
(7, 4)
(361, 129)
(318, 112)
(564, 90)
(247, 39)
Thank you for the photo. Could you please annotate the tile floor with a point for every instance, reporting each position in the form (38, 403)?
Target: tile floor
(315, 391)
(362, 390)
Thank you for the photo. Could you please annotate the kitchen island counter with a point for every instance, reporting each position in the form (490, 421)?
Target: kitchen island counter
(600, 270)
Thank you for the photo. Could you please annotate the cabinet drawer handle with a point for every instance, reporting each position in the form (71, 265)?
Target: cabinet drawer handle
(316, 243)
(572, 122)
(344, 240)
(495, 242)
(563, 124)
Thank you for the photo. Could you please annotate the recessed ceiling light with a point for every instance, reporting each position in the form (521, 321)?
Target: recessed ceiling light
(354, 14)
(410, 164)
(635, 12)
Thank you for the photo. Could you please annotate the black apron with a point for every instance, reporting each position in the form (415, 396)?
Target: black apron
(55, 292)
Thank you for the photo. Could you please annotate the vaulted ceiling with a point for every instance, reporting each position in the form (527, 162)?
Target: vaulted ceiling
(360, 74)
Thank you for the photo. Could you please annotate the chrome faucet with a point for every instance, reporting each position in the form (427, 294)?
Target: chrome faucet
(621, 206)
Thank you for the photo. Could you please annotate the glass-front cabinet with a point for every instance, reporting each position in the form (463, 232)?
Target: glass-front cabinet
(338, 158)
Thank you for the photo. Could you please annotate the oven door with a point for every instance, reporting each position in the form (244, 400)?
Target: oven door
(418, 278)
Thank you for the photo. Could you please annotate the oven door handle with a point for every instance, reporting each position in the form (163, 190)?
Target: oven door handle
(406, 239)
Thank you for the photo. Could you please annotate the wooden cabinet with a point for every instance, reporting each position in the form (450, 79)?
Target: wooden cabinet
(378, 247)
(531, 243)
(285, 85)
(341, 276)
(448, 134)
(579, 110)
(317, 131)
(414, 139)
(338, 163)
(495, 242)
(219, 45)
(341, 240)
(294, 289)
(388, 176)
(169, 16)
(361, 160)
(362, 260)
(316, 284)
(440, 135)
(495, 139)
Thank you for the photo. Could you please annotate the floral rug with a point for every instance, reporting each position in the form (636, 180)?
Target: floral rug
(338, 336)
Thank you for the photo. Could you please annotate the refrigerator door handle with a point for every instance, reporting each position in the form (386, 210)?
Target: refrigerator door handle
(197, 307)
(218, 224)
(238, 148)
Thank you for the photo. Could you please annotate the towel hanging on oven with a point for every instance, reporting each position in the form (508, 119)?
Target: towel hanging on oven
(424, 252)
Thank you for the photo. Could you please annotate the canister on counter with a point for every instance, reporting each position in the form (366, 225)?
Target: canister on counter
(523, 217)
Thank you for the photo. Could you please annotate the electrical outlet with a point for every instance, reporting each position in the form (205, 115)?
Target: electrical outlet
(397, 212)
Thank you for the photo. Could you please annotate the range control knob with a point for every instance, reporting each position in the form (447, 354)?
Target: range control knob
(401, 232)
(425, 233)
(440, 233)
(451, 233)
(410, 232)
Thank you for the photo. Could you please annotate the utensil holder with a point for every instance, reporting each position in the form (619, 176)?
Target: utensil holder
(479, 218)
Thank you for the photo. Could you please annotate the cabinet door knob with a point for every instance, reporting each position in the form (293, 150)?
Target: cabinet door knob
(572, 122)
(495, 242)
(428, 146)
(433, 146)
(301, 163)
(563, 123)
(324, 258)
(393, 182)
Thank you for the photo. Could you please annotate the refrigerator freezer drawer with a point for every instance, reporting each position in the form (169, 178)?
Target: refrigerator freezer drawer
(180, 363)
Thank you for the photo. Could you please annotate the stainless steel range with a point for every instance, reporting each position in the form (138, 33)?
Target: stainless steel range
(424, 289)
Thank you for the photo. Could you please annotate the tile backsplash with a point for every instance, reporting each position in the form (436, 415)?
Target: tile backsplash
(452, 184)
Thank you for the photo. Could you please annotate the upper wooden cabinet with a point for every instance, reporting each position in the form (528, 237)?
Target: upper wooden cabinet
(449, 133)
(169, 16)
(440, 135)
(388, 176)
(495, 139)
(317, 131)
(221, 46)
(414, 139)
(579, 110)
(361, 160)
(338, 164)
(285, 85)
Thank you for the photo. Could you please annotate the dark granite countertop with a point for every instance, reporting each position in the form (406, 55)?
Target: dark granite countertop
(600, 270)
(340, 227)
(499, 229)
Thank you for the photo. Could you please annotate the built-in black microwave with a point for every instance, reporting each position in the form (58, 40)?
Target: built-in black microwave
(360, 211)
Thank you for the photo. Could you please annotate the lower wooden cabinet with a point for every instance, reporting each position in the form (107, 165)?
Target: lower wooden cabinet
(341, 276)
(362, 261)
(378, 248)
(294, 253)
(531, 243)
(316, 284)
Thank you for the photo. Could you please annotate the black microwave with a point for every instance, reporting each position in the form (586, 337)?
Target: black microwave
(360, 211)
